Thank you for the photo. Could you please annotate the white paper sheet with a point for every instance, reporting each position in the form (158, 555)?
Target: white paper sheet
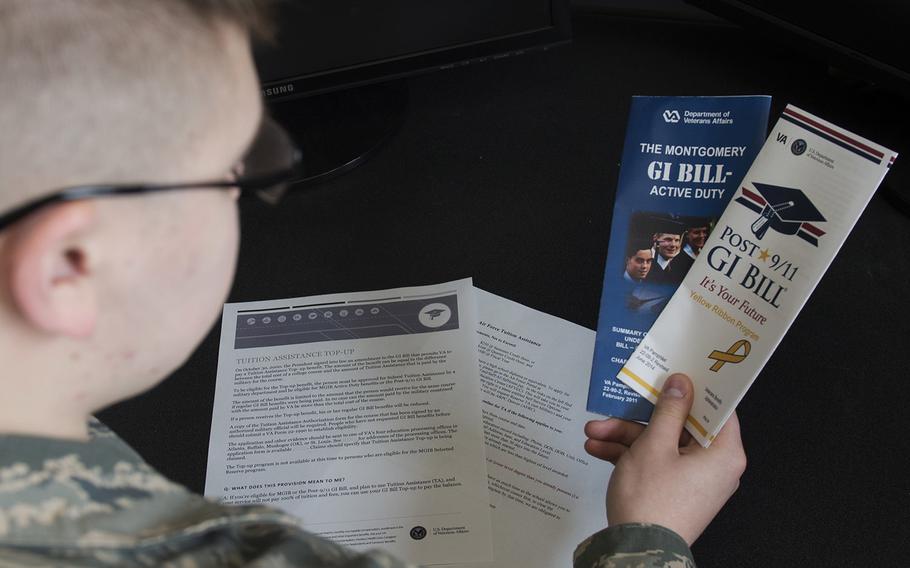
(547, 494)
(359, 413)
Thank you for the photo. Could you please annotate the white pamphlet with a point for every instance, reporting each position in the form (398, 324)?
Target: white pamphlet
(547, 494)
(360, 414)
(776, 238)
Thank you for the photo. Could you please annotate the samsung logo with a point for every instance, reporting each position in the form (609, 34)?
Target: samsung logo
(282, 90)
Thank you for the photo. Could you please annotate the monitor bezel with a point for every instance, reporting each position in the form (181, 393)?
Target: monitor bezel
(424, 62)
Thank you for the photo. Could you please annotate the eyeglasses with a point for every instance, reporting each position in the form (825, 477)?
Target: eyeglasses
(269, 166)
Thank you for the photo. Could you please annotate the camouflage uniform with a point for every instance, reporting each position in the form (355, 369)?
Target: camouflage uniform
(97, 503)
(634, 545)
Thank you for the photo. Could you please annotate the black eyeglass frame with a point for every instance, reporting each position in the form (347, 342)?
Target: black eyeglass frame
(264, 183)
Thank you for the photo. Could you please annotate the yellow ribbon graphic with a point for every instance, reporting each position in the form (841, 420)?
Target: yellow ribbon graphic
(730, 355)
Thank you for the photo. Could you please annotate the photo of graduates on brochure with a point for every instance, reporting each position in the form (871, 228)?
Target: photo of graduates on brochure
(659, 251)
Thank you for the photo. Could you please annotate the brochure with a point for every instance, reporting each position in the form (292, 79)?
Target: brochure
(789, 217)
(682, 160)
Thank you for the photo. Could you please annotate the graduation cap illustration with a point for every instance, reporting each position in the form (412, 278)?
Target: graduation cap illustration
(691, 222)
(637, 243)
(787, 210)
(645, 224)
(434, 313)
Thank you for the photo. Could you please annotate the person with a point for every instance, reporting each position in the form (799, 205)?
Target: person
(639, 257)
(669, 267)
(127, 130)
(697, 231)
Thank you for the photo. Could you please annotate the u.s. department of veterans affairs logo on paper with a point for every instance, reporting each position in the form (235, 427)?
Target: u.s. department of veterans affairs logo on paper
(671, 116)
(418, 532)
(798, 147)
(787, 210)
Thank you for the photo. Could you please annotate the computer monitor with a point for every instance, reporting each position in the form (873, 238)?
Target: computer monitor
(329, 75)
(866, 39)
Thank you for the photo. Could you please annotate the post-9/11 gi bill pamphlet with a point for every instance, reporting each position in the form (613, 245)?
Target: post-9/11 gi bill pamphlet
(788, 218)
(359, 414)
(682, 159)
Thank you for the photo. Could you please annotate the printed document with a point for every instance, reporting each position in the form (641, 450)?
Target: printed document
(547, 494)
(360, 414)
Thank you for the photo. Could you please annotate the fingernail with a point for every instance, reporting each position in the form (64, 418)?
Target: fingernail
(675, 387)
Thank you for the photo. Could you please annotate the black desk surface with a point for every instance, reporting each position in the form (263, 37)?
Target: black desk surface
(506, 172)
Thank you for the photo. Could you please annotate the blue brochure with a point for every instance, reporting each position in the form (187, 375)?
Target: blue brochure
(681, 163)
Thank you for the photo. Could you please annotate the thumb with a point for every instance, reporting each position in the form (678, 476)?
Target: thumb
(670, 412)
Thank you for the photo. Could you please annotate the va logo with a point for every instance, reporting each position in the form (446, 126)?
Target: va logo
(418, 532)
(798, 147)
(671, 116)
(787, 210)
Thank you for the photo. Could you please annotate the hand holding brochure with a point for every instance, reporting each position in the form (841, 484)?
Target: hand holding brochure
(789, 217)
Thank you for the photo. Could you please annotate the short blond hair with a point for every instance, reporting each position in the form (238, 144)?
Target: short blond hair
(108, 90)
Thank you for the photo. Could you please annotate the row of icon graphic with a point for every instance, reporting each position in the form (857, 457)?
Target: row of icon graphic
(328, 314)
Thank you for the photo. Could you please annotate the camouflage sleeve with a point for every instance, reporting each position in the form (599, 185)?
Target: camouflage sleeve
(634, 545)
(96, 503)
(260, 545)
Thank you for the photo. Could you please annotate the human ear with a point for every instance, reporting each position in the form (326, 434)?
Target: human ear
(49, 270)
